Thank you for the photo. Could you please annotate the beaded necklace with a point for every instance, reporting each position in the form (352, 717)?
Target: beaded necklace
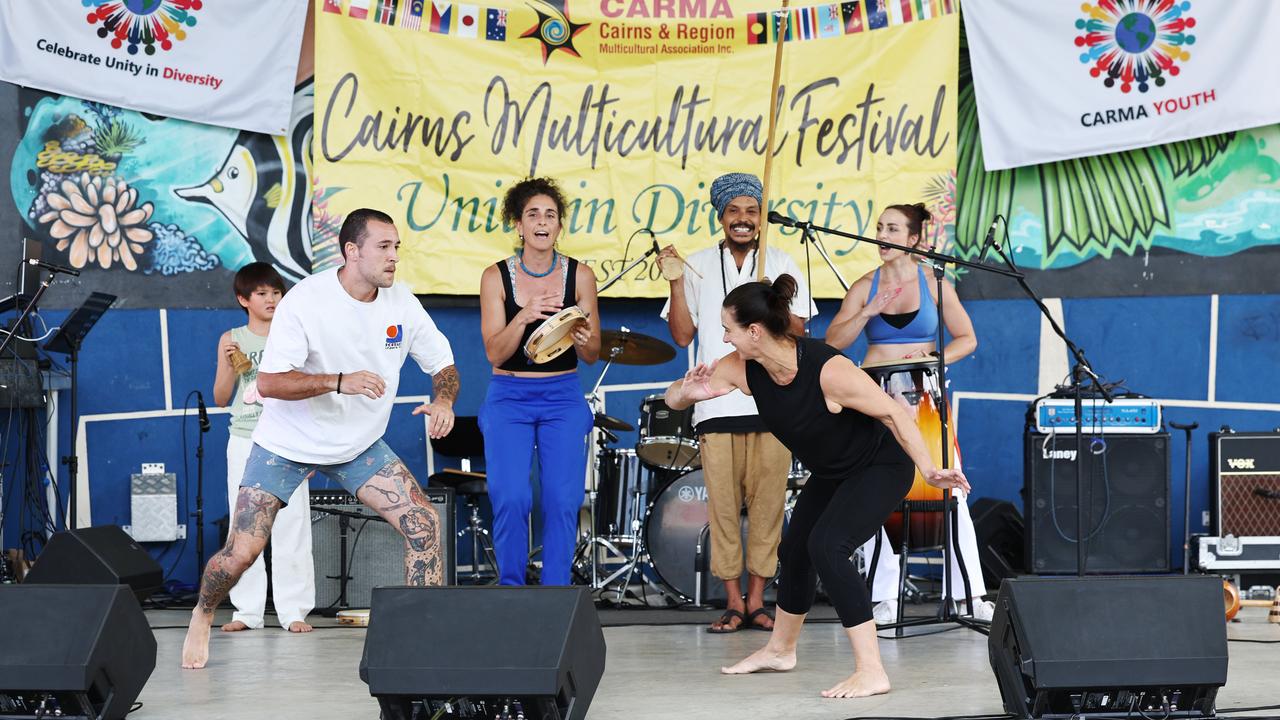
(554, 256)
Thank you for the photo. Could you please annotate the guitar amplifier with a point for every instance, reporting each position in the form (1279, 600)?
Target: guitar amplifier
(1126, 486)
(344, 530)
(1244, 483)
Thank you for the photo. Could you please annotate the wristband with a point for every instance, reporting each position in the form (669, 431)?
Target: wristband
(338, 389)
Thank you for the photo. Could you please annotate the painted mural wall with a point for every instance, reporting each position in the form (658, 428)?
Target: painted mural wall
(161, 212)
(1195, 217)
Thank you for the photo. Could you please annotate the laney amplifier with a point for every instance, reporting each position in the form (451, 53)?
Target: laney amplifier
(1124, 415)
(1238, 553)
(1244, 484)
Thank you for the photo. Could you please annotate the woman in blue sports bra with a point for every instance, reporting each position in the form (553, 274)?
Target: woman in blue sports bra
(895, 303)
(895, 306)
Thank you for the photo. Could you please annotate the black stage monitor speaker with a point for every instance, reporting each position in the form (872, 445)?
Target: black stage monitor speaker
(1109, 646)
(532, 650)
(103, 555)
(1126, 491)
(72, 651)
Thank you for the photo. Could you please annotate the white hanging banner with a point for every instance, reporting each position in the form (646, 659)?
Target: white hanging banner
(1060, 80)
(229, 62)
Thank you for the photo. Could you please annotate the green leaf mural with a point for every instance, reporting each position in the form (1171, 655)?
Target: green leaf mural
(1097, 205)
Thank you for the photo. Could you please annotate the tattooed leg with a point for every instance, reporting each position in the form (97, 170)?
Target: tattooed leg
(414, 516)
(251, 526)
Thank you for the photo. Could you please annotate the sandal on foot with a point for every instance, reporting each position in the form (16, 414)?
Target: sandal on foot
(751, 619)
(724, 621)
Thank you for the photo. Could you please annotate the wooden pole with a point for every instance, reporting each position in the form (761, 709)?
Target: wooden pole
(783, 19)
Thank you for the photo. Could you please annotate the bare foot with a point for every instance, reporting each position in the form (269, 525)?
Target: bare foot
(235, 626)
(764, 659)
(195, 649)
(298, 626)
(863, 683)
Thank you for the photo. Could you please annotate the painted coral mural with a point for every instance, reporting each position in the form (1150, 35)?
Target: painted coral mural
(120, 190)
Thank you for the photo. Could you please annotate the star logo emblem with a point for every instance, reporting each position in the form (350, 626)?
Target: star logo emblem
(554, 29)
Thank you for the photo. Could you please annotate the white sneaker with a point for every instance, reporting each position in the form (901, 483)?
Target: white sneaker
(885, 612)
(983, 609)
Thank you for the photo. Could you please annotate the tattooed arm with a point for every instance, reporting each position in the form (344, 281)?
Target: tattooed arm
(445, 385)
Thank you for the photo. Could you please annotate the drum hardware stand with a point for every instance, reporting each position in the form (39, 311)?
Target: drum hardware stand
(1081, 374)
(480, 540)
(591, 540)
(947, 609)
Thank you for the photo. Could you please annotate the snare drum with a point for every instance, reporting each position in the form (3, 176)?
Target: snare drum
(554, 336)
(666, 436)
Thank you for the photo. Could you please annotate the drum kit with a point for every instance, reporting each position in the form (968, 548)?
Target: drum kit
(647, 504)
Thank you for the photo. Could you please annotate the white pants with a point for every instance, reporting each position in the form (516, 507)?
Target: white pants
(292, 569)
(885, 584)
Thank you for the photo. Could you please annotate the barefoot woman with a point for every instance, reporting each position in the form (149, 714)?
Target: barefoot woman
(857, 441)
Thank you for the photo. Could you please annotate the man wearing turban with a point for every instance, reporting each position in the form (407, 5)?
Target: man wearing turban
(742, 463)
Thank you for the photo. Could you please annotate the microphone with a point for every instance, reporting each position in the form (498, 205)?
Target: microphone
(778, 218)
(653, 239)
(53, 267)
(990, 240)
(204, 413)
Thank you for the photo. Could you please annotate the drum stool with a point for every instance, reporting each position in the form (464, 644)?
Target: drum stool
(466, 443)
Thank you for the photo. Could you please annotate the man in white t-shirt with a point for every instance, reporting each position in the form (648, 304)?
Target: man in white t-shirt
(329, 375)
(741, 461)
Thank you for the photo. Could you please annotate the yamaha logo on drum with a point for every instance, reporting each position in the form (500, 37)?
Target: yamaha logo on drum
(689, 493)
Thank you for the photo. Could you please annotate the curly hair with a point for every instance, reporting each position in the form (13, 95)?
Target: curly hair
(521, 193)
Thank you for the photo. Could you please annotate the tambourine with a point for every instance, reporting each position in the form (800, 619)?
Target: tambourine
(554, 335)
(672, 268)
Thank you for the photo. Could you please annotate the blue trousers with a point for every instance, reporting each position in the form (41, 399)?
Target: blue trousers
(518, 416)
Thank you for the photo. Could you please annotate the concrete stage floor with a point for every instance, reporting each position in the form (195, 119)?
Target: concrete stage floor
(652, 672)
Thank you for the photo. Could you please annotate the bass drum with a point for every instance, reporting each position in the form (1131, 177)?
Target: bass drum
(676, 518)
(677, 513)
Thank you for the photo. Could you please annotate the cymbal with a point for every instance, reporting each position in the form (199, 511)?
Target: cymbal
(634, 348)
(612, 423)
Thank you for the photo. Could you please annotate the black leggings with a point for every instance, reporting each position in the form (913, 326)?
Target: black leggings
(831, 519)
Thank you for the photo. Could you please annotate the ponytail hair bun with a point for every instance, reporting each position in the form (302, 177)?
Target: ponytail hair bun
(768, 304)
(917, 215)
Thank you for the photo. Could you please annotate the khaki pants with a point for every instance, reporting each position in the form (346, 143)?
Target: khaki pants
(748, 468)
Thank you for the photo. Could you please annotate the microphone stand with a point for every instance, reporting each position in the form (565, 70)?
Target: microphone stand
(1081, 374)
(807, 236)
(204, 426)
(947, 608)
(653, 250)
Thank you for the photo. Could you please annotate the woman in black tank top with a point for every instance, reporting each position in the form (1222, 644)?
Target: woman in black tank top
(857, 441)
(530, 404)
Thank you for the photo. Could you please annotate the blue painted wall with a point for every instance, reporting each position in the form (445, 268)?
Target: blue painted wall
(1159, 346)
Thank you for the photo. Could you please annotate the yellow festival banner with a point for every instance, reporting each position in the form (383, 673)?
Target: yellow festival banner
(431, 110)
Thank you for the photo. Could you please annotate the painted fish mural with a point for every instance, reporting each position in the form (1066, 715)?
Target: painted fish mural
(263, 189)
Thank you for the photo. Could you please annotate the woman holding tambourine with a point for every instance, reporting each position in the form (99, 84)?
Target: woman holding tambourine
(538, 317)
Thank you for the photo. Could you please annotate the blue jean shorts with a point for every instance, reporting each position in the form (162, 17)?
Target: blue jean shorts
(280, 476)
